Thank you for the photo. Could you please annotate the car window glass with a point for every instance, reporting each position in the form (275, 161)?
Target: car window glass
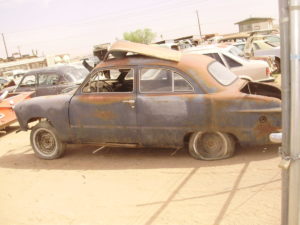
(156, 80)
(28, 81)
(236, 51)
(111, 80)
(48, 79)
(221, 73)
(163, 80)
(180, 84)
(241, 47)
(231, 62)
(42, 79)
(215, 56)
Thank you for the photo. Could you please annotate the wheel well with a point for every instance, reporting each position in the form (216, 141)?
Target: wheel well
(33, 119)
(187, 137)
(235, 138)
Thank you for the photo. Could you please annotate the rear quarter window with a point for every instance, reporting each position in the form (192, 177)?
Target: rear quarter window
(221, 74)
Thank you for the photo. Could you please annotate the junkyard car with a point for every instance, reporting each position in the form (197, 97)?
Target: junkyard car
(148, 96)
(3, 82)
(50, 80)
(230, 56)
(7, 103)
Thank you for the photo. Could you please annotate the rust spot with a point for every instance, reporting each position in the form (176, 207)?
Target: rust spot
(105, 115)
(103, 99)
(263, 127)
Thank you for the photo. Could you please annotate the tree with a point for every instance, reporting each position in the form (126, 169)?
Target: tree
(145, 36)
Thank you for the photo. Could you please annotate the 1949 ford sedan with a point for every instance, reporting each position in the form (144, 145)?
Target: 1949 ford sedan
(147, 96)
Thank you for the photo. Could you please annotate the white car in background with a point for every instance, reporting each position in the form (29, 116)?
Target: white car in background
(231, 57)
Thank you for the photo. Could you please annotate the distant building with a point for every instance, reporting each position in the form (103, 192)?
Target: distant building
(22, 64)
(255, 23)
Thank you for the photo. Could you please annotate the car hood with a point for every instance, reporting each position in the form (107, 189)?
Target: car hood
(45, 101)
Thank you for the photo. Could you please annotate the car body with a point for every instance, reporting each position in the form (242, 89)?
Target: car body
(257, 45)
(148, 96)
(3, 82)
(230, 56)
(50, 80)
(7, 104)
(262, 46)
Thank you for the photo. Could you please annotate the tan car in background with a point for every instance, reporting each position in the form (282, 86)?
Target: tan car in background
(231, 57)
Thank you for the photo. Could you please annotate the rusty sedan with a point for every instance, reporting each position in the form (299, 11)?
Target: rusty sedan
(147, 96)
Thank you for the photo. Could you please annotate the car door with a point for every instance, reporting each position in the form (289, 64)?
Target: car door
(168, 107)
(103, 109)
(47, 83)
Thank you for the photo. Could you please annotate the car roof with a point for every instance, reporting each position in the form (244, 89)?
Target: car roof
(51, 68)
(187, 63)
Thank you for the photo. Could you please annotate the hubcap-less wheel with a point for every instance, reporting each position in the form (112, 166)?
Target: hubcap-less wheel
(44, 140)
(211, 145)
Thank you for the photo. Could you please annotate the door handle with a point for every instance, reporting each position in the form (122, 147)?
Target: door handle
(129, 101)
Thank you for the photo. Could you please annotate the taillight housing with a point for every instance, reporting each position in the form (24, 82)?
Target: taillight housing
(268, 71)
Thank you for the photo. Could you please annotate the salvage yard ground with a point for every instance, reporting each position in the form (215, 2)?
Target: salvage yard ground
(136, 186)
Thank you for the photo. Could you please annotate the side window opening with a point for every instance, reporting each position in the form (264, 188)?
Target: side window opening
(111, 80)
(163, 80)
(28, 81)
(180, 84)
(48, 79)
(231, 62)
(215, 56)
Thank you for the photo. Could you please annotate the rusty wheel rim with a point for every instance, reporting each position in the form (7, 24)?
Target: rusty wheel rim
(211, 145)
(45, 142)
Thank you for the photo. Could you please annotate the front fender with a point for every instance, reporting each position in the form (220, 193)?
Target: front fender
(53, 108)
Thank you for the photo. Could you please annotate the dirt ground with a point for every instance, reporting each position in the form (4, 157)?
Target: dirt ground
(136, 187)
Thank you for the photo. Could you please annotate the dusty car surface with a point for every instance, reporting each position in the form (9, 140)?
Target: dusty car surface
(230, 56)
(50, 80)
(7, 104)
(147, 96)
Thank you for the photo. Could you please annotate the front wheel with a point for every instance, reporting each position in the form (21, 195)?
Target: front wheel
(45, 141)
(211, 145)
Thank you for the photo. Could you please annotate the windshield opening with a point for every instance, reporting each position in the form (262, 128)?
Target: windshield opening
(76, 73)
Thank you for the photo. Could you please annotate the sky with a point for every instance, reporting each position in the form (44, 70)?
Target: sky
(75, 26)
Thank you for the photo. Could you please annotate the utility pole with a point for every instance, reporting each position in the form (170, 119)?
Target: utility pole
(285, 38)
(5, 45)
(289, 17)
(19, 50)
(199, 24)
(294, 169)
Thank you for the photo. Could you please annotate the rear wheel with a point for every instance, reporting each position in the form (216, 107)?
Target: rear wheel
(211, 145)
(45, 141)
